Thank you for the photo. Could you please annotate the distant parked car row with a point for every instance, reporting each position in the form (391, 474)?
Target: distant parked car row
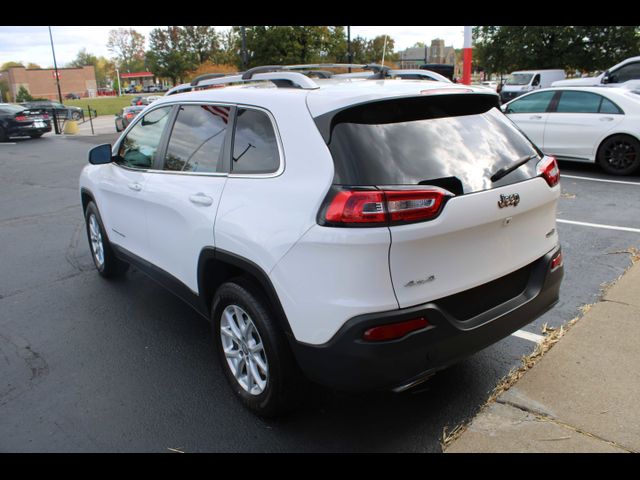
(126, 115)
(145, 89)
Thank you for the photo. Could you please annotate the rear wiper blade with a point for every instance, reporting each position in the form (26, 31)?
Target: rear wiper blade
(504, 171)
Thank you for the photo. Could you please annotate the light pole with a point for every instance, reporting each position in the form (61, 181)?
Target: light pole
(55, 66)
(118, 78)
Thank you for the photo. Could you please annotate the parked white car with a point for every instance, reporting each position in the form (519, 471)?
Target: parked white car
(590, 124)
(619, 75)
(363, 233)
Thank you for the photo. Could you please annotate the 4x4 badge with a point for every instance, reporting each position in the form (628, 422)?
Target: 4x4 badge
(509, 200)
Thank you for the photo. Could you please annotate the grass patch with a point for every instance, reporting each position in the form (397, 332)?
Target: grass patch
(102, 105)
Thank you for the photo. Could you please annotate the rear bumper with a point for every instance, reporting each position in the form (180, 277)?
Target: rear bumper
(26, 130)
(348, 363)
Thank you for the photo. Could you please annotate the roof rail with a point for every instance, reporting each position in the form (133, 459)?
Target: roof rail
(206, 76)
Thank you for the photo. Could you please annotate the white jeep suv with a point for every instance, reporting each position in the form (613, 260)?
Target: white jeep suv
(360, 233)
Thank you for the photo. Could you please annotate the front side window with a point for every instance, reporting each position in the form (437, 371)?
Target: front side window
(534, 103)
(519, 79)
(623, 74)
(139, 147)
(255, 147)
(197, 139)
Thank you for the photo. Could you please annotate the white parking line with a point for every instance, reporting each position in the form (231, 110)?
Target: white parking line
(532, 337)
(637, 184)
(599, 225)
(7, 143)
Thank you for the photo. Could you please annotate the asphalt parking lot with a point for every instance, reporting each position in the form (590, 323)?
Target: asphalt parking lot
(91, 365)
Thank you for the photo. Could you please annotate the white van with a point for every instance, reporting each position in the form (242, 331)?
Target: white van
(524, 81)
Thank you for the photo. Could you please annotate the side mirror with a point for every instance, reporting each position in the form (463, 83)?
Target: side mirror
(100, 155)
(606, 78)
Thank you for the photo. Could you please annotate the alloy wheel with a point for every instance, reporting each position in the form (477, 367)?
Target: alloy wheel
(244, 350)
(97, 247)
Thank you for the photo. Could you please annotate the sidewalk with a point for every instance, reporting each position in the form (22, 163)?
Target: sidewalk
(103, 124)
(582, 396)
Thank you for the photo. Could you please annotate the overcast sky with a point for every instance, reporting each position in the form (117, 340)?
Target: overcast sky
(31, 44)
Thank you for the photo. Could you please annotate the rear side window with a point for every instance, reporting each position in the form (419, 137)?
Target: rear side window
(139, 147)
(197, 139)
(450, 146)
(578, 102)
(255, 147)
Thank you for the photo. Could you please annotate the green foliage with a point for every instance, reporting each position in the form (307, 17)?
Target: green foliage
(279, 45)
(8, 65)
(4, 91)
(128, 47)
(508, 48)
(23, 95)
(168, 55)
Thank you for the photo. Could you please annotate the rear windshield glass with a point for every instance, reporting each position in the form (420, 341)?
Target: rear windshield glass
(457, 152)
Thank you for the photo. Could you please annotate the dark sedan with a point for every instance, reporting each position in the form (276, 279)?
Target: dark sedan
(17, 121)
(126, 115)
(62, 111)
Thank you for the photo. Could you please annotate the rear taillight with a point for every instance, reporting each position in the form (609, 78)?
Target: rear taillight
(128, 116)
(393, 331)
(22, 118)
(548, 168)
(380, 207)
(45, 116)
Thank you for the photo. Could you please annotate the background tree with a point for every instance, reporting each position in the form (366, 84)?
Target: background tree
(507, 48)
(104, 68)
(201, 41)
(23, 95)
(33, 65)
(7, 65)
(167, 56)
(128, 47)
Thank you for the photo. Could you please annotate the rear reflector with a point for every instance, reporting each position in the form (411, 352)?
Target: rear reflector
(384, 206)
(394, 331)
(556, 262)
(548, 168)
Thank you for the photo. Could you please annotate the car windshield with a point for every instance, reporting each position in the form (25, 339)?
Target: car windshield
(519, 79)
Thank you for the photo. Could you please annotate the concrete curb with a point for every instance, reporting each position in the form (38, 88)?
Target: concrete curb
(581, 396)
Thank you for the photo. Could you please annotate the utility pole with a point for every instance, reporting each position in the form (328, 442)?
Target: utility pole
(467, 54)
(244, 48)
(55, 66)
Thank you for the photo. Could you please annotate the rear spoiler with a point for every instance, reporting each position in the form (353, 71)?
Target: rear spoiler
(407, 109)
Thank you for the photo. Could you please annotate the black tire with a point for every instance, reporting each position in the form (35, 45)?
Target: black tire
(36, 135)
(110, 266)
(3, 135)
(76, 116)
(283, 390)
(619, 155)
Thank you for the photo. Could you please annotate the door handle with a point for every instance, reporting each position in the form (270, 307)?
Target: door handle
(535, 117)
(606, 119)
(201, 199)
(135, 186)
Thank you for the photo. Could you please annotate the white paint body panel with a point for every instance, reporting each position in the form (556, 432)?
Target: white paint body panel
(470, 243)
(178, 228)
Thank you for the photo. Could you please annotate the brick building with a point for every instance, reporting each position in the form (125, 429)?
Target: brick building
(41, 82)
